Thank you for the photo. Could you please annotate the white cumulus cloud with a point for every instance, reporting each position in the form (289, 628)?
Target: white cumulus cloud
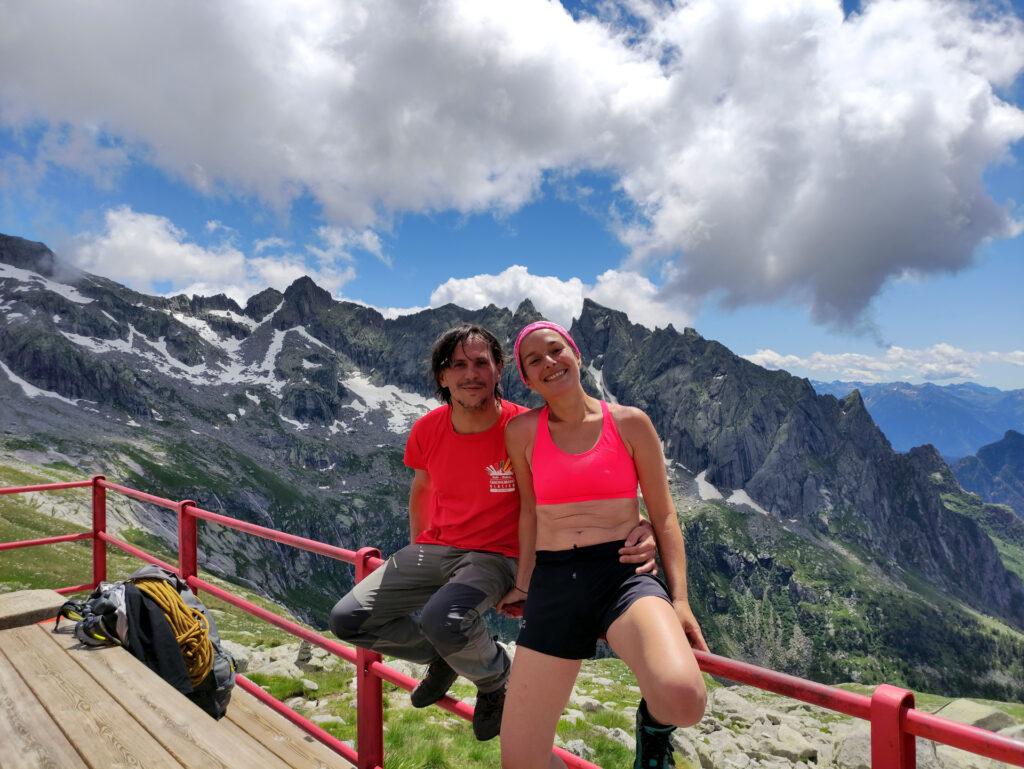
(763, 150)
(562, 300)
(148, 252)
(938, 362)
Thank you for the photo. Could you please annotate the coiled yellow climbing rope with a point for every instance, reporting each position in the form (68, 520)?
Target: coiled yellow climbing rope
(191, 628)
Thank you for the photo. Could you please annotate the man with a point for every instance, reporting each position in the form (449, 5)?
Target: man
(463, 537)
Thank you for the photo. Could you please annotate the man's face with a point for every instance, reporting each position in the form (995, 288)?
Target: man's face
(472, 375)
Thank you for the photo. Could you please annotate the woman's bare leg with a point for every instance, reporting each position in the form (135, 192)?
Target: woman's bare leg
(650, 640)
(538, 690)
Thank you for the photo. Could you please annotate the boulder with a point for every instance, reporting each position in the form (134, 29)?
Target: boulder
(240, 654)
(324, 718)
(976, 714)
(682, 742)
(726, 705)
(952, 758)
(573, 716)
(790, 744)
(620, 736)
(853, 750)
(581, 749)
(1015, 732)
(717, 748)
(585, 703)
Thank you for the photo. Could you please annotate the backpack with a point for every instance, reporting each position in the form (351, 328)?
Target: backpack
(156, 617)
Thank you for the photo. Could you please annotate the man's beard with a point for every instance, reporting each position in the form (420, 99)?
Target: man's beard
(481, 405)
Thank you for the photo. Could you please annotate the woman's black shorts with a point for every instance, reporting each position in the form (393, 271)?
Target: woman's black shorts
(575, 595)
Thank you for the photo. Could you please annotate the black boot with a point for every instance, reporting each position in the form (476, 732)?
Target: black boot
(653, 741)
(487, 713)
(435, 684)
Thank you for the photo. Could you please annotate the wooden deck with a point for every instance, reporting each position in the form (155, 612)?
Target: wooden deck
(65, 706)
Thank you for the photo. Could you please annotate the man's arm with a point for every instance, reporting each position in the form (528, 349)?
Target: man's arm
(419, 504)
(517, 435)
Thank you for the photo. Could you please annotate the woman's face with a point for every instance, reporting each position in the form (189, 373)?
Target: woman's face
(550, 364)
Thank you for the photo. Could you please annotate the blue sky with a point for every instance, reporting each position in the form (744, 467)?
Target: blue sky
(832, 190)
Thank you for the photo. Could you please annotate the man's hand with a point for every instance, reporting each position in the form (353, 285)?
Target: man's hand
(512, 604)
(690, 626)
(641, 548)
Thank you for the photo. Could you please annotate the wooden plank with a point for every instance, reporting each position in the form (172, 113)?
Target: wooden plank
(102, 731)
(279, 735)
(184, 729)
(29, 737)
(24, 607)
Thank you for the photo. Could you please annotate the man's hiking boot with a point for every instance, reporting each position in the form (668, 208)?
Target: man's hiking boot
(487, 713)
(435, 684)
(653, 742)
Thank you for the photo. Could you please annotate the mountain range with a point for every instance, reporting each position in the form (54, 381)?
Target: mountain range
(957, 419)
(814, 546)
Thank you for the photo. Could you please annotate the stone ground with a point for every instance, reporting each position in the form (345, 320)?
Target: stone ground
(743, 727)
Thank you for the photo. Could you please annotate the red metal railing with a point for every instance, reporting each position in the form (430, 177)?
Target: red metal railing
(890, 710)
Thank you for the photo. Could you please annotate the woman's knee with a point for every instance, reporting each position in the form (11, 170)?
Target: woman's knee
(678, 700)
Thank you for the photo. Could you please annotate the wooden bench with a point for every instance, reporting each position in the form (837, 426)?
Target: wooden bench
(65, 705)
(26, 607)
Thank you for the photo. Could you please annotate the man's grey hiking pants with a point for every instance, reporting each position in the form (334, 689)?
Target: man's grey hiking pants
(426, 602)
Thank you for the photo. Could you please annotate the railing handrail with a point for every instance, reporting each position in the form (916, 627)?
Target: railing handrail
(890, 710)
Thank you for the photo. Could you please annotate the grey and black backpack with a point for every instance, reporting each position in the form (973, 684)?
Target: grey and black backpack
(122, 614)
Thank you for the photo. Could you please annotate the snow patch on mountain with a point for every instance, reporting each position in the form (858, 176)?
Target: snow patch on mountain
(293, 422)
(301, 330)
(198, 325)
(273, 350)
(740, 497)
(32, 391)
(602, 388)
(705, 488)
(37, 281)
(241, 320)
(402, 407)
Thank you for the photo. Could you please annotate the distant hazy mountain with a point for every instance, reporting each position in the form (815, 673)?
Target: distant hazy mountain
(956, 419)
(813, 546)
(996, 473)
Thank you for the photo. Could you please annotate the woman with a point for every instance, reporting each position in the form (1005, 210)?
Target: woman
(577, 462)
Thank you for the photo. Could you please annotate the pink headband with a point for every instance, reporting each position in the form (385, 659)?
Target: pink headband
(536, 326)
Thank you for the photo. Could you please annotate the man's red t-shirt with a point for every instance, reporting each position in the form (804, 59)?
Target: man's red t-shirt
(474, 500)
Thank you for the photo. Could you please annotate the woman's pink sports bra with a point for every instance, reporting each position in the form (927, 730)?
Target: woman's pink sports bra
(605, 471)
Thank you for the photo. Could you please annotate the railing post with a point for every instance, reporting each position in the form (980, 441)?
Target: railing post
(188, 542)
(369, 692)
(99, 523)
(891, 746)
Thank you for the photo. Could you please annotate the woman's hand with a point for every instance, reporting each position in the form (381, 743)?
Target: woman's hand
(690, 626)
(512, 604)
(641, 548)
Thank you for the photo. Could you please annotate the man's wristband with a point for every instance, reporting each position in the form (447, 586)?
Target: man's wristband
(516, 587)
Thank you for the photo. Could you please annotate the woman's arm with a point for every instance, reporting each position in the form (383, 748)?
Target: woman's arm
(518, 435)
(638, 431)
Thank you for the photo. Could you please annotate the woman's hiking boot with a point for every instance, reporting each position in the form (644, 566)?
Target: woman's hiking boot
(487, 713)
(653, 741)
(435, 684)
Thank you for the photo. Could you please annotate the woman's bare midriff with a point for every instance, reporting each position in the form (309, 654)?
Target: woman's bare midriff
(560, 527)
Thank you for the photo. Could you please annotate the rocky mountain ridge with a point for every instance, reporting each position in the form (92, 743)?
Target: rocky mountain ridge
(996, 473)
(807, 532)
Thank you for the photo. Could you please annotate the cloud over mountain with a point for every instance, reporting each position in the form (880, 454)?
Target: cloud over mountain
(148, 253)
(562, 300)
(762, 151)
(936, 363)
